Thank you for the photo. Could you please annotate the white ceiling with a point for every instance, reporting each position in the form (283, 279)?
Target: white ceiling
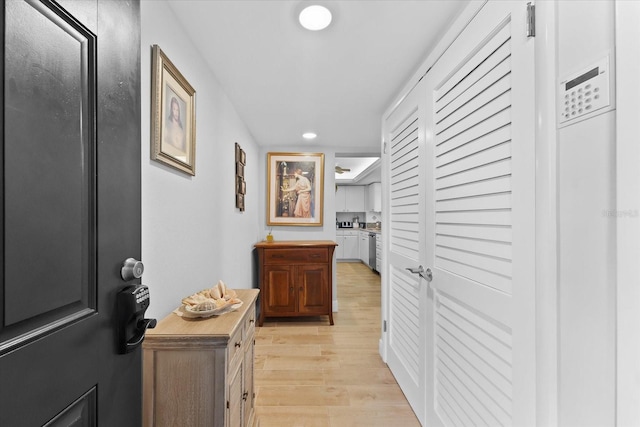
(364, 170)
(285, 80)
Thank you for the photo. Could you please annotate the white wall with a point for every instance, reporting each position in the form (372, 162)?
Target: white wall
(586, 231)
(192, 234)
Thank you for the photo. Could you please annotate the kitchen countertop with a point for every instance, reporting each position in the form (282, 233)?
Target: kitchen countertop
(368, 230)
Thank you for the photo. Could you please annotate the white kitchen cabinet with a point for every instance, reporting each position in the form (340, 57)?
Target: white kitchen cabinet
(350, 198)
(340, 247)
(340, 198)
(374, 197)
(364, 247)
(349, 245)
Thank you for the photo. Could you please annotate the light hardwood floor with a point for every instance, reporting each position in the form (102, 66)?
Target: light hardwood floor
(308, 373)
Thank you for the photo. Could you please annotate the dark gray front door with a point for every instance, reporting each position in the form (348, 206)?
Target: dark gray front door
(70, 214)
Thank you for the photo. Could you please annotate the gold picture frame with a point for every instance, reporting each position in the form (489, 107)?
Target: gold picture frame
(295, 189)
(173, 115)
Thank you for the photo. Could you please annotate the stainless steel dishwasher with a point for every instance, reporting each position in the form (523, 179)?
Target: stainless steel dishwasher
(372, 251)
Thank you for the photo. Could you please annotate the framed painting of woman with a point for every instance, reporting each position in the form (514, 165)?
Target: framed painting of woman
(173, 115)
(295, 188)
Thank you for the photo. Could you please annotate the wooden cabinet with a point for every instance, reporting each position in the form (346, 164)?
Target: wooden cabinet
(350, 198)
(199, 372)
(296, 278)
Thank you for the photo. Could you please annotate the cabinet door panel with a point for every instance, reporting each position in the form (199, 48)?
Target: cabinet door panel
(280, 294)
(313, 293)
(248, 395)
(340, 199)
(235, 399)
(354, 198)
(351, 248)
(340, 247)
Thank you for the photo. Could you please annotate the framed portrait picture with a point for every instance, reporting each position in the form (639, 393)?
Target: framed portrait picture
(295, 188)
(173, 115)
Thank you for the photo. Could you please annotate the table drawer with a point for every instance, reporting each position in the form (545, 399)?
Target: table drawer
(235, 345)
(249, 323)
(292, 256)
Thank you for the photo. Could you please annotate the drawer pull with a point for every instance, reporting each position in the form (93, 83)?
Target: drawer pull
(245, 395)
(251, 320)
(238, 344)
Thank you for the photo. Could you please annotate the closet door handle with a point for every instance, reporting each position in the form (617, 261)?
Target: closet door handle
(420, 271)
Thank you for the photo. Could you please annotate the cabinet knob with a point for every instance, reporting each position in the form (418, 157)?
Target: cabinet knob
(245, 395)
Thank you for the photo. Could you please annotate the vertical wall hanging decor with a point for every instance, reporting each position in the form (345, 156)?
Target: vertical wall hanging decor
(241, 186)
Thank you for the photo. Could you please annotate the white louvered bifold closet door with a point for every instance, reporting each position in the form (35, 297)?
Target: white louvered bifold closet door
(482, 116)
(407, 301)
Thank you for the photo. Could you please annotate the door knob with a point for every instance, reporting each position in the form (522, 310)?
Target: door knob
(131, 269)
(420, 271)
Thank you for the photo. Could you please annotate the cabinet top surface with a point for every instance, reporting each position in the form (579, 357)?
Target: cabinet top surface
(295, 244)
(223, 326)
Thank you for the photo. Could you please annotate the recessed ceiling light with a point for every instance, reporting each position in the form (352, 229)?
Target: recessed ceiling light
(315, 17)
(309, 135)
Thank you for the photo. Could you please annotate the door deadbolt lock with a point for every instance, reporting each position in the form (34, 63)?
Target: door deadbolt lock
(131, 269)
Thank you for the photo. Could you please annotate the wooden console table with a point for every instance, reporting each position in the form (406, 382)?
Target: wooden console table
(296, 278)
(199, 372)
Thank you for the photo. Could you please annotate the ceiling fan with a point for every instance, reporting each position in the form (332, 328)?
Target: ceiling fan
(342, 170)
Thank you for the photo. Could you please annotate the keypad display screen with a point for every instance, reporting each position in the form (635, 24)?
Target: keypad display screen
(583, 78)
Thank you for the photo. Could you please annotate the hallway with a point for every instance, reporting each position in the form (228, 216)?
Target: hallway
(308, 373)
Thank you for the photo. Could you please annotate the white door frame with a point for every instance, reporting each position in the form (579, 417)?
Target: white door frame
(546, 217)
(627, 33)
